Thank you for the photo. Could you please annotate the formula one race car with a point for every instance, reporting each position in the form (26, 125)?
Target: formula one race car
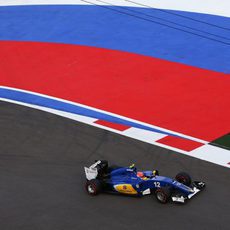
(127, 180)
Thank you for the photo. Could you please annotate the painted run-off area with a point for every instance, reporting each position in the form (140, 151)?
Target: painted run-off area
(177, 97)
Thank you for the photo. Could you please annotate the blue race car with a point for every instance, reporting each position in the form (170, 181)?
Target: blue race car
(128, 180)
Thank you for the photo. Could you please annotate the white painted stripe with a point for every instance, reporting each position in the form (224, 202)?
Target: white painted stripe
(213, 154)
(214, 7)
(108, 113)
(206, 152)
(143, 135)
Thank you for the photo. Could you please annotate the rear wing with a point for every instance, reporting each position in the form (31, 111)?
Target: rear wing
(92, 171)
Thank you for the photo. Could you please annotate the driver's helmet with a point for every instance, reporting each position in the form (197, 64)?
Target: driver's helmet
(140, 174)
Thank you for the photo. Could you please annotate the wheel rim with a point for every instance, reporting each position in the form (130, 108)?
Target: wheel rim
(161, 196)
(91, 189)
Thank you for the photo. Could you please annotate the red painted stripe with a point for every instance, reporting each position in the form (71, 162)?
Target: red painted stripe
(181, 98)
(180, 143)
(112, 125)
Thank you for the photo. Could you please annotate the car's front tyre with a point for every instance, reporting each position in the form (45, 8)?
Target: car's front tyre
(163, 194)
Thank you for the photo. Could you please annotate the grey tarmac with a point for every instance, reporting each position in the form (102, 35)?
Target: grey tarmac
(42, 179)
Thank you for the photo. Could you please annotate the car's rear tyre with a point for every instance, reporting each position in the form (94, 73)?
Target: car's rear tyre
(184, 178)
(93, 187)
(163, 194)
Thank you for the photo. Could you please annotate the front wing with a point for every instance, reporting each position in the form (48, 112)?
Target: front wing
(197, 186)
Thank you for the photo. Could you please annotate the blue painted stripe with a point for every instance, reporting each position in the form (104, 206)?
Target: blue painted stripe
(39, 100)
(161, 34)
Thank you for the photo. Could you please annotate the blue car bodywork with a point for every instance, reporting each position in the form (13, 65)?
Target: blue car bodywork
(127, 180)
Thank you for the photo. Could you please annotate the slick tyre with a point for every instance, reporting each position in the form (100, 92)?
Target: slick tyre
(163, 194)
(184, 178)
(93, 187)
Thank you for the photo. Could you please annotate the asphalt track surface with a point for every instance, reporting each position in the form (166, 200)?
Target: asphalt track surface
(42, 180)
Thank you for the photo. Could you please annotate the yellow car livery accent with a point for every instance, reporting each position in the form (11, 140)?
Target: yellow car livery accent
(144, 178)
(125, 188)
